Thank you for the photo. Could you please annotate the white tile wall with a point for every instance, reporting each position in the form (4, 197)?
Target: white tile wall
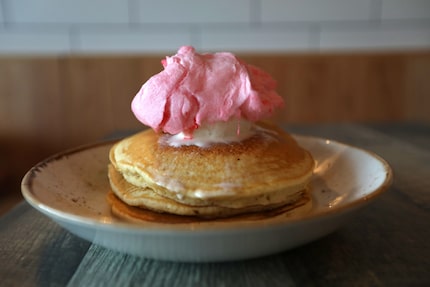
(375, 38)
(133, 26)
(405, 9)
(1, 14)
(66, 11)
(194, 11)
(315, 11)
(252, 39)
(38, 42)
(132, 41)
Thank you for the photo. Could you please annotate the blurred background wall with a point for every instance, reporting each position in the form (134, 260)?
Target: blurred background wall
(69, 69)
(136, 26)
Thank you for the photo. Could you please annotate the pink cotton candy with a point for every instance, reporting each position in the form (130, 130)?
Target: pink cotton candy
(204, 88)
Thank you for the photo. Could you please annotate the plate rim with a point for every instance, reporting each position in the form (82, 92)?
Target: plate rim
(59, 215)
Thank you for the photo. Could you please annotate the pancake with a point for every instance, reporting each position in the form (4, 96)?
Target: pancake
(146, 198)
(263, 172)
(144, 215)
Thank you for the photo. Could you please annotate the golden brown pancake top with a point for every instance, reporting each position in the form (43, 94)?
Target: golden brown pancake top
(267, 162)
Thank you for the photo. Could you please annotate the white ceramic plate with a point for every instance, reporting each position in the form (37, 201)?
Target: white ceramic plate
(71, 189)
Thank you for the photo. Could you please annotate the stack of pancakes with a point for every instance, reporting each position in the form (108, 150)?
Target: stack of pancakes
(267, 171)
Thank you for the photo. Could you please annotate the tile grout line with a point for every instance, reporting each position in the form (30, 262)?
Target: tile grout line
(133, 14)
(74, 40)
(315, 37)
(2, 14)
(195, 33)
(3, 8)
(375, 14)
(255, 13)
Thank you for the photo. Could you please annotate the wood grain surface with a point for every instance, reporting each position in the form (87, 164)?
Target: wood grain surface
(386, 244)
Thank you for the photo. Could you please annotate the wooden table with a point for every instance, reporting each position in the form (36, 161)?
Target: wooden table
(387, 244)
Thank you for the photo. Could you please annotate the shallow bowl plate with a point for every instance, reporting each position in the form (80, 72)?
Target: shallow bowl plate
(71, 189)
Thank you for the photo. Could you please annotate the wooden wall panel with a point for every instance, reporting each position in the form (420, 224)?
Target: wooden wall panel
(64, 101)
(321, 88)
(87, 98)
(29, 98)
(97, 94)
(417, 88)
(30, 115)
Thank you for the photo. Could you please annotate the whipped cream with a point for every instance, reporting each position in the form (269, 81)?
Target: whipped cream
(220, 132)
